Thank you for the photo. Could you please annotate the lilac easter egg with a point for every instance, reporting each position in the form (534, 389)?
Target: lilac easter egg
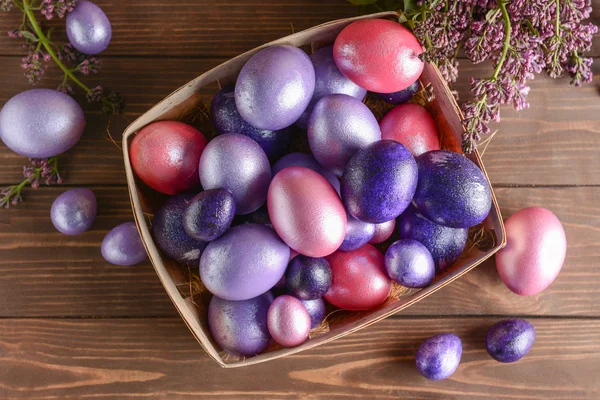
(226, 119)
(409, 263)
(274, 87)
(510, 340)
(316, 310)
(328, 80)
(236, 163)
(41, 123)
(536, 246)
(338, 127)
(246, 261)
(288, 321)
(88, 28)
(439, 356)
(240, 327)
(444, 243)
(383, 231)
(308, 278)
(402, 96)
(123, 245)
(74, 211)
(306, 161)
(169, 232)
(358, 233)
(452, 190)
(379, 182)
(209, 214)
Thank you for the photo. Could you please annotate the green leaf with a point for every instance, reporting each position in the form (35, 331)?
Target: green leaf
(362, 2)
(410, 5)
(29, 36)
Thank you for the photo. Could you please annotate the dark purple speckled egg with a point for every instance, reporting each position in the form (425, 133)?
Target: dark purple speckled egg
(439, 356)
(306, 161)
(510, 340)
(308, 278)
(358, 233)
(316, 310)
(209, 214)
(409, 263)
(402, 96)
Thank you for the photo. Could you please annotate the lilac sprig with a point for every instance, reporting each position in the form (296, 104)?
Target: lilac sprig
(40, 170)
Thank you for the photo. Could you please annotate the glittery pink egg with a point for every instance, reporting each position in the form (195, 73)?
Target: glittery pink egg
(288, 321)
(383, 231)
(411, 125)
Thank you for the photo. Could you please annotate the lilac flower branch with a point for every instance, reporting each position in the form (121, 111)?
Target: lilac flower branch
(40, 169)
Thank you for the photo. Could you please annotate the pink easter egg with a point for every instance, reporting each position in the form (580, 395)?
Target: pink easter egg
(288, 321)
(411, 125)
(383, 231)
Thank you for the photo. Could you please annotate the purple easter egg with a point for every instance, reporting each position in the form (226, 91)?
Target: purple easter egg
(41, 123)
(316, 310)
(123, 245)
(288, 321)
(74, 211)
(439, 356)
(328, 80)
(236, 163)
(383, 231)
(358, 233)
(379, 182)
(444, 243)
(452, 190)
(88, 28)
(209, 214)
(226, 119)
(306, 161)
(403, 96)
(338, 127)
(308, 278)
(510, 340)
(246, 261)
(240, 327)
(409, 263)
(169, 233)
(274, 87)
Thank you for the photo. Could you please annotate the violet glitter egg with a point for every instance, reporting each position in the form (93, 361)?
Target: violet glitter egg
(338, 127)
(308, 278)
(240, 327)
(401, 96)
(452, 190)
(444, 243)
(236, 163)
(123, 245)
(246, 261)
(41, 123)
(316, 310)
(274, 87)
(209, 214)
(439, 356)
(358, 233)
(379, 182)
(409, 263)
(88, 28)
(288, 321)
(510, 340)
(383, 231)
(169, 233)
(306, 161)
(74, 211)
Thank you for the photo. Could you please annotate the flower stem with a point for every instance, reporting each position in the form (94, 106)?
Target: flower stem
(507, 31)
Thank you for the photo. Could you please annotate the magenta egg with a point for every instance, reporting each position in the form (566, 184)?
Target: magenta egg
(412, 126)
(74, 211)
(536, 246)
(88, 28)
(288, 321)
(306, 211)
(383, 231)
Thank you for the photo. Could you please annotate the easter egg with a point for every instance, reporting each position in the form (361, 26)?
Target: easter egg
(409, 263)
(383, 231)
(401, 96)
(88, 28)
(328, 80)
(452, 190)
(170, 235)
(338, 127)
(316, 311)
(444, 243)
(165, 155)
(358, 233)
(510, 340)
(359, 279)
(246, 261)
(306, 211)
(288, 321)
(413, 126)
(74, 211)
(240, 327)
(379, 182)
(308, 278)
(439, 356)
(209, 214)
(274, 87)
(237, 163)
(41, 123)
(123, 245)
(307, 161)
(536, 246)
(260, 216)
(379, 55)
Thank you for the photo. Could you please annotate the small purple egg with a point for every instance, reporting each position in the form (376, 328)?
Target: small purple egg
(236, 163)
(328, 80)
(260, 216)
(306, 161)
(74, 211)
(240, 327)
(358, 233)
(452, 190)
(403, 96)
(209, 214)
(288, 321)
(438, 357)
(510, 340)
(123, 245)
(88, 28)
(226, 119)
(316, 310)
(338, 127)
(409, 263)
(246, 261)
(169, 233)
(308, 278)
(41, 123)
(379, 182)
(274, 87)
(444, 243)
(383, 231)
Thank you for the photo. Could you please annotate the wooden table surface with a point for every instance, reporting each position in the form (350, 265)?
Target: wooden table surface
(74, 327)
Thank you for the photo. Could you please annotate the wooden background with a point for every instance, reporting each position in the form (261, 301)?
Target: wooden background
(74, 327)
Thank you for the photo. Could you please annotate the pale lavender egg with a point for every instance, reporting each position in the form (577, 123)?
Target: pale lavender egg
(358, 233)
(316, 310)
(88, 28)
(74, 211)
(41, 123)
(409, 263)
(306, 161)
(288, 321)
(123, 245)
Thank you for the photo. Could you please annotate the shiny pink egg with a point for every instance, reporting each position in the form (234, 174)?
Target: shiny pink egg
(411, 125)
(288, 321)
(306, 211)
(359, 279)
(383, 231)
(535, 251)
